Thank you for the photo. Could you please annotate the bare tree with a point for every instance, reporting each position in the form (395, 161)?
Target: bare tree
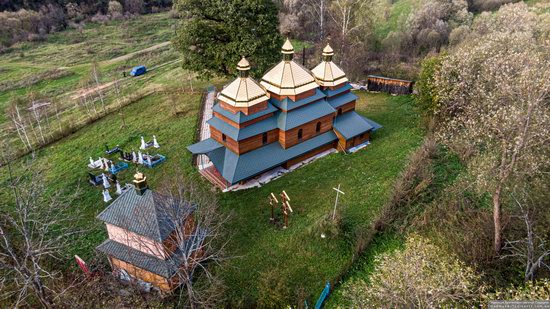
(348, 16)
(120, 110)
(34, 232)
(19, 123)
(196, 242)
(205, 245)
(531, 250)
(318, 12)
(95, 76)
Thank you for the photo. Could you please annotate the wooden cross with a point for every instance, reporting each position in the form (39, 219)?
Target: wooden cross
(285, 207)
(338, 191)
(272, 201)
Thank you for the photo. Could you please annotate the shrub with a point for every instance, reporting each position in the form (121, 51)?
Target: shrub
(538, 290)
(421, 276)
(115, 9)
(426, 98)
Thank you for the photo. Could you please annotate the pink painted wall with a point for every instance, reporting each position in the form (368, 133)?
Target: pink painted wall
(135, 241)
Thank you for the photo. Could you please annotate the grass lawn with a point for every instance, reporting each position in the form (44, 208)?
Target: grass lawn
(296, 261)
(75, 50)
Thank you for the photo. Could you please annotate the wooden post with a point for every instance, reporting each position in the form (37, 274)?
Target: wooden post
(272, 200)
(285, 205)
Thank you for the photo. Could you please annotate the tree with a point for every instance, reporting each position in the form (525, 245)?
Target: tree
(425, 85)
(493, 98)
(532, 250)
(34, 232)
(214, 34)
(421, 275)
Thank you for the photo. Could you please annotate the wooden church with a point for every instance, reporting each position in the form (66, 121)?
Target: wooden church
(290, 115)
(151, 236)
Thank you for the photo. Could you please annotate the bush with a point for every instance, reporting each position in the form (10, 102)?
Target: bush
(115, 9)
(425, 85)
(538, 290)
(134, 6)
(421, 276)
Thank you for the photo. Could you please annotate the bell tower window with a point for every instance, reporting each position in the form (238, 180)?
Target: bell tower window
(318, 128)
(264, 138)
(300, 134)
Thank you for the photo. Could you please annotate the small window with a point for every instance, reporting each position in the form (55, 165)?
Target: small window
(300, 134)
(339, 111)
(318, 128)
(264, 138)
(224, 138)
(362, 135)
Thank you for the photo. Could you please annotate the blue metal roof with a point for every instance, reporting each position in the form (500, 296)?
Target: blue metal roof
(288, 104)
(241, 117)
(204, 146)
(246, 132)
(351, 124)
(331, 93)
(343, 99)
(375, 125)
(235, 168)
(297, 117)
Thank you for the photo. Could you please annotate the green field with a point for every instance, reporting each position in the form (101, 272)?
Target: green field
(296, 259)
(271, 266)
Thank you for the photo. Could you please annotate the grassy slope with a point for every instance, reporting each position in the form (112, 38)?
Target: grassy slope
(302, 260)
(75, 50)
(307, 261)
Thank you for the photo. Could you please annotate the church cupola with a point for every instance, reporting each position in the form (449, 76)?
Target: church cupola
(287, 50)
(243, 67)
(328, 52)
(327, 73)
(140, 182)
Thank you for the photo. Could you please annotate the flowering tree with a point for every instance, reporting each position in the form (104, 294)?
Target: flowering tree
(494, 95)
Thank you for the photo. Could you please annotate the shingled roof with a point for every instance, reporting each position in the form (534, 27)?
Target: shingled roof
(164, 268)
(152, 214)
(327, 72)
(288, 77)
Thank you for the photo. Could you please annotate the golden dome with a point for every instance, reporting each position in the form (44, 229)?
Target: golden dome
(288, 77)
(243, 91)
(328, 51)
(138, 176)
(243, 65)
(327, 73)
(287, 47)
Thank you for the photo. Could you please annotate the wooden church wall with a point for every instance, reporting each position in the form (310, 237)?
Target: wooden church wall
(290, 138)
(142, 274)
(245, 145)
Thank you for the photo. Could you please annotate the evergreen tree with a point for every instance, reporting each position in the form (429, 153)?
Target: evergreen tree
(214, 34)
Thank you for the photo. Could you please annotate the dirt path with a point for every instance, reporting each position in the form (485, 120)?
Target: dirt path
(86, 91)
(130, 55)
